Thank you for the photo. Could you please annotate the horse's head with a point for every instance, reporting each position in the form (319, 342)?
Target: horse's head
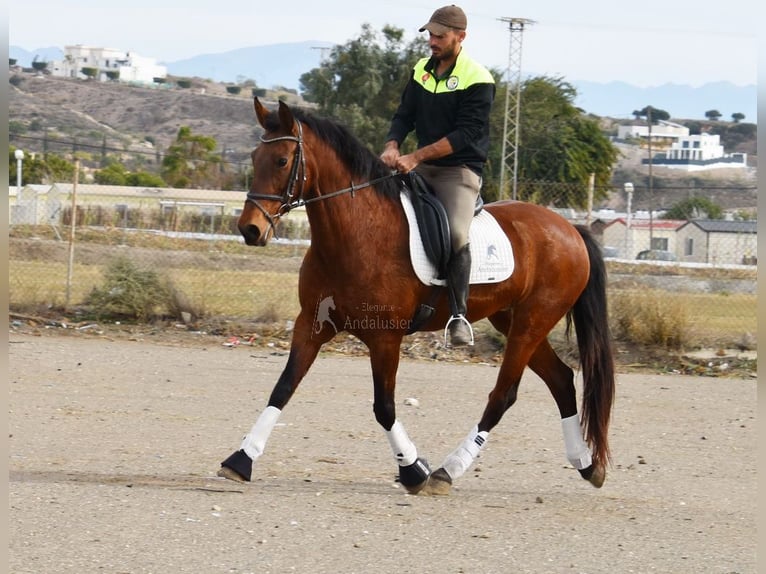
(279, 172)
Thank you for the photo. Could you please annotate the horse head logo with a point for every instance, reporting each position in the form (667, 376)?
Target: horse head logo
(323, 314)
(492, 252)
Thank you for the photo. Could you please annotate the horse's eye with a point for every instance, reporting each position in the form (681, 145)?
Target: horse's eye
(282, 162)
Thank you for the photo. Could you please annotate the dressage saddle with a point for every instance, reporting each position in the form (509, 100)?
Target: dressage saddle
(433, 225)
(432, 220)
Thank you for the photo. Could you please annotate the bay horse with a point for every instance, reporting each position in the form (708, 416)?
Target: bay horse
(359, 256)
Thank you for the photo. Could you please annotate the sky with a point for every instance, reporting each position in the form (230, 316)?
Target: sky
(646, 44)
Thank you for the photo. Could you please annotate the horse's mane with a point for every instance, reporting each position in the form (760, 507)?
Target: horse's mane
(356, 156)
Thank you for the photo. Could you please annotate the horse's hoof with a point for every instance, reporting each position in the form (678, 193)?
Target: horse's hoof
(416, 488)
(439, 483)
(226, 472)
(595, 475)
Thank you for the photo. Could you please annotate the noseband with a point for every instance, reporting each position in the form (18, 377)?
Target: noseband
(290, 198)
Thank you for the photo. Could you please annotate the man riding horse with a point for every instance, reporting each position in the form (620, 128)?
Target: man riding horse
(447, 101)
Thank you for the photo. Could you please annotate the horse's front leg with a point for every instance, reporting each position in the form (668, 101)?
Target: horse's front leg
(384, 358)
(303, 351)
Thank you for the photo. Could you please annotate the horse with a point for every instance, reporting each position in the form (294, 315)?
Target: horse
(359, 256)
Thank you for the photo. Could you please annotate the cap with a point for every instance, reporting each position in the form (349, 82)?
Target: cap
(446, 18)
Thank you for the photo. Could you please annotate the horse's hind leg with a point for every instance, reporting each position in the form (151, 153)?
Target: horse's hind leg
(501, 398)
(560, 381)
(303, 352)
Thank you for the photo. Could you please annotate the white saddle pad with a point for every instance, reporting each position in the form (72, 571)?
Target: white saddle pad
(491, 253)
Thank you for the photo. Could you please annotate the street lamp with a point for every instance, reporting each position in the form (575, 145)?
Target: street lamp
(19, 158)
(629, 190)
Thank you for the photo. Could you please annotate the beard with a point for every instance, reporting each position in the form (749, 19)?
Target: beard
(445, 53)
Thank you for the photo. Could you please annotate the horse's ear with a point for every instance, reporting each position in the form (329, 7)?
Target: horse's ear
(286, 118)
(260, 112)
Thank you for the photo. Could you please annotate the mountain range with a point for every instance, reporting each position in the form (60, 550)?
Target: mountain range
(283, 64)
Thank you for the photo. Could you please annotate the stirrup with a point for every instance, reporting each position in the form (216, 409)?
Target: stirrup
(458, 318)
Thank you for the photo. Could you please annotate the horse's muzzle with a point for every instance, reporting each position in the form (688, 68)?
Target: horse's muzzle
(252, 235)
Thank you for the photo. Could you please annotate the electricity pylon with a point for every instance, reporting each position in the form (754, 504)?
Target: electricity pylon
(510, 150)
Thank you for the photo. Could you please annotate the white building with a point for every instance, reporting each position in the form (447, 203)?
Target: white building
(130, 67)
(698, 152)
(662, 131)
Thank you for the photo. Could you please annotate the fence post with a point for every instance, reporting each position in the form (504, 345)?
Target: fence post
(591, 186)
(72, 224)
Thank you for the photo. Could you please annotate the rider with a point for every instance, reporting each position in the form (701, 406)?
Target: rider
(447, 101)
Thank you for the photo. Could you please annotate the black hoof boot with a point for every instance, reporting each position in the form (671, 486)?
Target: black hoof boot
(237, 467)
(414, 476)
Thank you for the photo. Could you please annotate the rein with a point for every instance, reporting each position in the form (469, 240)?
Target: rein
(290, 200)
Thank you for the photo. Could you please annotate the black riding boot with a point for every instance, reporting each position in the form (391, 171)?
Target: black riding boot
(458, 276)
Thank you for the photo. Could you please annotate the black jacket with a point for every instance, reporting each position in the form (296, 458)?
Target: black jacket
(455, 106)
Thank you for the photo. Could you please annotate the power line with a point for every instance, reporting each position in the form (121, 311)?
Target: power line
(101, 147)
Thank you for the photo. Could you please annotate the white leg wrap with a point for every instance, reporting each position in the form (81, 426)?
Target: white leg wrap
(578, 453)
(404, 449)
(461, 459)
(255, 441)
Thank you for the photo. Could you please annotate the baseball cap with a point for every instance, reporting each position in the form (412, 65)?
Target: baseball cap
(446, 18)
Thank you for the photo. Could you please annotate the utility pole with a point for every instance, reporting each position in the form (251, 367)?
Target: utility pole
(323, 51)
(651, 179)
(510, 155)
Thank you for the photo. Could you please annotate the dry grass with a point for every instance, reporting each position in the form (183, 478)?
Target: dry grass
(677, 321)
(650, 318)
(228, 280)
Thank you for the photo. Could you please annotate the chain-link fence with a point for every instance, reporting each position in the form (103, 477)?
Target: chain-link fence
(188, 238)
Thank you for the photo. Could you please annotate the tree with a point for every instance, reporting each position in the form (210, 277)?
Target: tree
(360, 82)
(39, 66)
(89, 72)
(558, 144)
(737, 117)
(113, 75)
(713, 115)
(190, 161)
(16, 128)
(234, 90)
(51, 169)
(652, 114)
(113, 174)
(694, 208)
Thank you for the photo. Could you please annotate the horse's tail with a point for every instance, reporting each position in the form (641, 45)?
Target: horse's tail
(594, 342)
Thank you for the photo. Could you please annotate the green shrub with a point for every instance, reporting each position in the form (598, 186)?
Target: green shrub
(128, 293)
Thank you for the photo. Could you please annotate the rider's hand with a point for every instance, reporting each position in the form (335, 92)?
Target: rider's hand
(406, 163)
(390, 155)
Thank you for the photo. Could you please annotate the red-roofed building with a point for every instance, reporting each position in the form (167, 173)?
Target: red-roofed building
(629, 242)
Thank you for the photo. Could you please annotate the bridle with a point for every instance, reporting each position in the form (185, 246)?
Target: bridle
(292, 196)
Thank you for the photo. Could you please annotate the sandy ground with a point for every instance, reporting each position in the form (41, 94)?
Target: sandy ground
(114, 447)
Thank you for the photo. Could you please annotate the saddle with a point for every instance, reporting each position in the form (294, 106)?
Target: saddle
(432, 220)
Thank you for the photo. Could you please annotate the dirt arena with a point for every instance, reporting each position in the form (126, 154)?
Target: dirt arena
(114, 446)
